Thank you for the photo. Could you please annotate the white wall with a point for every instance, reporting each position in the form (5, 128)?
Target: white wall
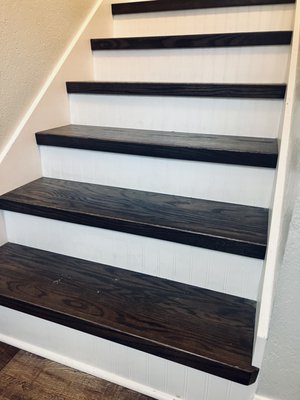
(33, 34)
(284, 197)
(280, 373)
(49, 107)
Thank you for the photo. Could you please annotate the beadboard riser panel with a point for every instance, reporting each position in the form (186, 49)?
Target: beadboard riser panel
(222, 272)
(201, 180)
(255, 118)
(156, 377)
(266, 64)
(215, 20)
(3, 238)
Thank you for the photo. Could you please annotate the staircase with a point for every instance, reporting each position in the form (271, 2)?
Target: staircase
(139, 254)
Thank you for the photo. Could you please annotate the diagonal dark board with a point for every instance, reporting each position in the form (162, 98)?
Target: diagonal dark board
(174, 5)
(194, 41)
(250, 91)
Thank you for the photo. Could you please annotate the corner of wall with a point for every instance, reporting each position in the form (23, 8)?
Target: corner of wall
(19, 160)
(3, 238)
(283, 199)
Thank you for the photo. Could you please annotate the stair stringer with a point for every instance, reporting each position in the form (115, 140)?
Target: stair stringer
(284, 196)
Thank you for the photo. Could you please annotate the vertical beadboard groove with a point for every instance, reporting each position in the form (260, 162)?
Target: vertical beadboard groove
(206, 388)
(228, 392)
(185, 388)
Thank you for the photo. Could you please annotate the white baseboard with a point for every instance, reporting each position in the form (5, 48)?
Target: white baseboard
(258, 397)
(80, 366)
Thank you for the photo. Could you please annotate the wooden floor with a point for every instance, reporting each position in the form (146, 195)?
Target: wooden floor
(24, 376)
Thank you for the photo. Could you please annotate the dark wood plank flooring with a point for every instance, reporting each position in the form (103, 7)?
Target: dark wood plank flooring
(251, 151)
(250, 91)
(29, 377)
(215, 333)
(214, 225)
(194, 41)
(6, 354)
(174, 5)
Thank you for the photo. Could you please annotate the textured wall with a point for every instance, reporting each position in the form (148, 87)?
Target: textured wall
(33, 35)
(280, 373)
(280, 377)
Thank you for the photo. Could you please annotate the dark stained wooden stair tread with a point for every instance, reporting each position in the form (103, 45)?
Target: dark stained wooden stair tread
(252, 91)
(200, 328)
(214, 225)
(194, 41)
(174, 5)
(251, 151)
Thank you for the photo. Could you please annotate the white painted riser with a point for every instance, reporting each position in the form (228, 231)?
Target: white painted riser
(209, 269)
(178, 177)
(153, 376)
(256, 118)
(221, 20)
(266, 64)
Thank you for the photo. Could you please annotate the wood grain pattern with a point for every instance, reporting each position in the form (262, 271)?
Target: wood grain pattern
(7, 353)
(214, 225)
(203, 329)
(258, 152)
(250, 91)
(174, 5)
(194, 41)
(29, 377)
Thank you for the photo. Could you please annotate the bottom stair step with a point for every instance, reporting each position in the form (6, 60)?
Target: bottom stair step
(42, 379)
(203, 329)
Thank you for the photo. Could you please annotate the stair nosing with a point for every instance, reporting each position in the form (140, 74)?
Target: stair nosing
(163, 6)
(216, 40)
(214, 90)
(89, 138)
(164, 348)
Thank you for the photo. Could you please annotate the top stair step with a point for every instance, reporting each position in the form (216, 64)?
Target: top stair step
(203, 329)
(194, 41)
(226, 227)
(174, 5)
(236, 150)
